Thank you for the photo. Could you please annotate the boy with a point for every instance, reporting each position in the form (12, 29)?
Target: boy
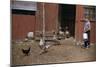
(87, 28)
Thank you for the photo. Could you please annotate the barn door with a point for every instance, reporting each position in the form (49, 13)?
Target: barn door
(67, 17)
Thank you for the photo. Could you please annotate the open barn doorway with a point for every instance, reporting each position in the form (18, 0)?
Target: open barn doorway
(67, 18)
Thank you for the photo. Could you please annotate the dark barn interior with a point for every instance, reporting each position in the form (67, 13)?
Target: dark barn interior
(67, 17)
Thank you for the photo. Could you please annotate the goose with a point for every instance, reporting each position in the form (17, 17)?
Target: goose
(61, 32)
(41, 43)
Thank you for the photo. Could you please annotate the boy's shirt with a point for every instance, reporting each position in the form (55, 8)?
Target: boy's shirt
(87, 26)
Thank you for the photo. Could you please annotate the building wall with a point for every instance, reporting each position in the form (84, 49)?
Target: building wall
(93, 31)
(78, 23)
(51, 17)
(21, 25)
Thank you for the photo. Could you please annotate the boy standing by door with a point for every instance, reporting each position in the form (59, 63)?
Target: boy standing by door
(87, 28)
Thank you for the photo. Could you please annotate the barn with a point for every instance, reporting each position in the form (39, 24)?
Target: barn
(28, 17)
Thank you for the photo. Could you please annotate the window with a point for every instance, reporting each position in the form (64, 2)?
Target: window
(24, 7)
(90, 12)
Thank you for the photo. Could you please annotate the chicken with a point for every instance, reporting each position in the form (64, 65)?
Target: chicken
(26, 52)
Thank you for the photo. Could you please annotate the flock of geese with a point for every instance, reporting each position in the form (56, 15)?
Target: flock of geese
(43, 44)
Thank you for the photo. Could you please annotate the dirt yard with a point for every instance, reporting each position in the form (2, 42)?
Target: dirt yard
(68, 51)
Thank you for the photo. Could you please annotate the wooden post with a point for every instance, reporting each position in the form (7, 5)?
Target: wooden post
(43, 21)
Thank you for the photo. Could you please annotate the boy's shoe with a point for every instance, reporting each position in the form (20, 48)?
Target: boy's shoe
(88, 46)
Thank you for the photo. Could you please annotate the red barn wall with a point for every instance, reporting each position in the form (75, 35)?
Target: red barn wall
(51, 17)
(21, 25)
(93, 32)
(78, 23)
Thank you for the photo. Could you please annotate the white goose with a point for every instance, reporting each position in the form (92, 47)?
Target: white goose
(44, 46)
(61, 32)
(42, 43)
